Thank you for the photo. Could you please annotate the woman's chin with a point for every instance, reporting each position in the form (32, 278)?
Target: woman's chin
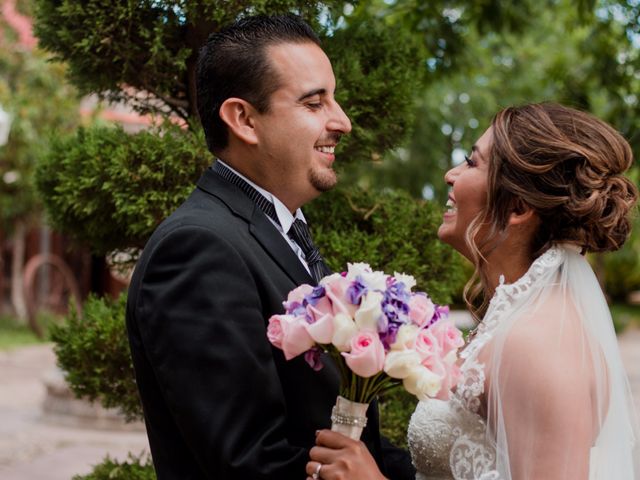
(444, 233)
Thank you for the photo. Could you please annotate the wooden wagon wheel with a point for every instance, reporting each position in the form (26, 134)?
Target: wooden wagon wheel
(62, 287)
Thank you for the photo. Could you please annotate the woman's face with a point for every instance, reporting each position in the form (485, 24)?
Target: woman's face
(468, 194)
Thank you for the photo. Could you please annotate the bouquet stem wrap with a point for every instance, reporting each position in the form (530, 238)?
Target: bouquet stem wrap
(349, 418)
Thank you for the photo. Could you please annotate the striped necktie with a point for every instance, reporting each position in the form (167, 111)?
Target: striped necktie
(299, 231)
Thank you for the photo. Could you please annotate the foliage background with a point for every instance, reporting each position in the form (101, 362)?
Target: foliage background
(420, 81)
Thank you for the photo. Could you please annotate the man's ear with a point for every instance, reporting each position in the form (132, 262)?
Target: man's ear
(239, 115)
(522, 214)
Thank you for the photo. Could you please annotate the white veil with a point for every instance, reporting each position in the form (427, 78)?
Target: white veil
(559, 404)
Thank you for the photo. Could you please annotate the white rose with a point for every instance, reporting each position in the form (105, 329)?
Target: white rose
(406, 337)
(423, 383)
(355, 269)
(408, 280)
(375, 280)
(329, 278)
(343, 331)
(369, 313)
(400, 364)
(450, 358)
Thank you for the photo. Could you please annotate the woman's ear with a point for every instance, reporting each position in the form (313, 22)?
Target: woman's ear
(239, 115)
(522, 214)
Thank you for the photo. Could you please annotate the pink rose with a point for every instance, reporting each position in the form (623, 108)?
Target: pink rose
(435, 364)
(449, 381)
(421, 309)
(336, 291)
(321, 331)
(275, 332)
(320, 309)
(366, 357)
(296, 296)
(427, 345)
(448, 336)
(290, 334)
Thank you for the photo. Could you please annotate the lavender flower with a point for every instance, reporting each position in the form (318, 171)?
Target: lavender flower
(316, 294)
(312, 357)
(356, 291)
(395, 304)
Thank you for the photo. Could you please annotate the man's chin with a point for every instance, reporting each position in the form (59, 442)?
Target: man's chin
(325, 181)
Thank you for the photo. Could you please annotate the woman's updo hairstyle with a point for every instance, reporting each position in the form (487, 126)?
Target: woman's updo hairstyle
(568, 166)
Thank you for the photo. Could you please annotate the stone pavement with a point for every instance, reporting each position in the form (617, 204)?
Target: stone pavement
(34, 447)
(37, 446)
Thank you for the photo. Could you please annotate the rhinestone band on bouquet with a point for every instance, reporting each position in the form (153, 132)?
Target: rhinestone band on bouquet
(380, 334)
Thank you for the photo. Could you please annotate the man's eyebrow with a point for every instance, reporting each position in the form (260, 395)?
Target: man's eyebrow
(317, 91)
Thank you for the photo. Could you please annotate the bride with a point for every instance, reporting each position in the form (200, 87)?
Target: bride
(543, 392)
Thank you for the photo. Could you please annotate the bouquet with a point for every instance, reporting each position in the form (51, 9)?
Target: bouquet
(380, 334)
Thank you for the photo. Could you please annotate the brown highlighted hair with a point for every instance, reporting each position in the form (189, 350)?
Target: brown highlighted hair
(568, 167)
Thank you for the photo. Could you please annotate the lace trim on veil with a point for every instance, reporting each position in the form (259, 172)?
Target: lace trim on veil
(473, 455)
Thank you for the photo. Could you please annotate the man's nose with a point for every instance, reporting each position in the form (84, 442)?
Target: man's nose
(339, 121)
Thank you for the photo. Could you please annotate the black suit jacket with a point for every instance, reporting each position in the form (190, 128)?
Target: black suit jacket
(219, 401)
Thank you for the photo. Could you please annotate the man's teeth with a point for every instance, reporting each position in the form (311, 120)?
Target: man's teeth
(325, 149)
(451, 205)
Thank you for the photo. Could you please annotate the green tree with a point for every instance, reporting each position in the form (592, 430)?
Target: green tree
(582, 54)
(110, 190)
(41, 104)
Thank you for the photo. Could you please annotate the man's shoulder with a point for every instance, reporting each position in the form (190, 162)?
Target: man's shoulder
(201, 210)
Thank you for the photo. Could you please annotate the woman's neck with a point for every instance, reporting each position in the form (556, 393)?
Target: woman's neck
(513, 263)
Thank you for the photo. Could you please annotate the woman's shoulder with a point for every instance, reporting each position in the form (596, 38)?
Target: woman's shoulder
(547, 341)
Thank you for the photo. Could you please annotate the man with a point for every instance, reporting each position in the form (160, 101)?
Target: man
(219, 401)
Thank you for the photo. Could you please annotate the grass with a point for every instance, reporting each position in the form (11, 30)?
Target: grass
(14, 333)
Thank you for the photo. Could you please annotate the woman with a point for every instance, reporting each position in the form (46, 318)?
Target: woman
(543, 393)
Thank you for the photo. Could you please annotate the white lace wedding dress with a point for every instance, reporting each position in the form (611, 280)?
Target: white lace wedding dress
(451, 439)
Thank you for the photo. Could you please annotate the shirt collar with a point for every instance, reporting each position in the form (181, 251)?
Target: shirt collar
(285, 217)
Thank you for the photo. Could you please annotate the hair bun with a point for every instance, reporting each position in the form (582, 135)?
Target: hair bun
(607, 214)
(568, 166)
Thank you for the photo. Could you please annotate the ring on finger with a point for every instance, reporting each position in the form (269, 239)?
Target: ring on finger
(316, 474)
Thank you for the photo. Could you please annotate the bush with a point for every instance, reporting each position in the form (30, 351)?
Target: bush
(389, 230)
(135, 468)
(109, 190)
(622, 268)
(93, 350)
(396, 409)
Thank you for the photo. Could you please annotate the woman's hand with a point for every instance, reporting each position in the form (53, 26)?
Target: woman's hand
(341, 458)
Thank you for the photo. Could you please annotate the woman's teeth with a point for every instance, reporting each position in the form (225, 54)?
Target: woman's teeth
(325, 149)
(451, 206)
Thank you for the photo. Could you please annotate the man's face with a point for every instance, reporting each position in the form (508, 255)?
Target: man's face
(297, 135)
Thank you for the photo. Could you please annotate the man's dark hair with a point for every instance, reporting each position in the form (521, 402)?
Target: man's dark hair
(233, 64)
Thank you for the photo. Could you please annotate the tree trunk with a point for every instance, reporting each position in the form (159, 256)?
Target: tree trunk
(17, 270)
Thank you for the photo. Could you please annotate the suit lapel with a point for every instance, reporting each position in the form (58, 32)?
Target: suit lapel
(278, 248)
(260, 226)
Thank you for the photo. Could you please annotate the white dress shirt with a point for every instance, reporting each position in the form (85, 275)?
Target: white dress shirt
(285, 217)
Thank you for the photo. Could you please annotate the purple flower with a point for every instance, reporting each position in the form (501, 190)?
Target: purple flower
(295, 308)
(316, 294)
(441, 312)
(356, 291)
(395, 304)
(388, 336)
(312, 357)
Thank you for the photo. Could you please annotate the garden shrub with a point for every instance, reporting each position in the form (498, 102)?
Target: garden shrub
(109, 190)
(93, 350)
(134, 468)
